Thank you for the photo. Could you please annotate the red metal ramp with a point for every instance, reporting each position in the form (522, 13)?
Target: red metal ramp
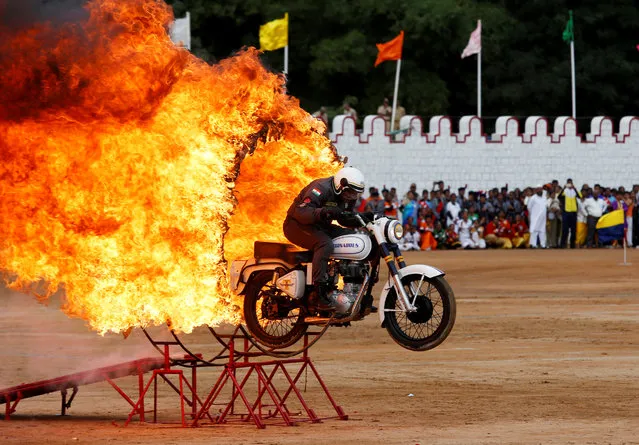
(12, 396)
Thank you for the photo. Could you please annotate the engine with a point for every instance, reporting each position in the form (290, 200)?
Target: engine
(353, 274)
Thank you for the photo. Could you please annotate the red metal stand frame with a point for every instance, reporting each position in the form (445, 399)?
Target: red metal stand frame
(264, 375)
(166, 370)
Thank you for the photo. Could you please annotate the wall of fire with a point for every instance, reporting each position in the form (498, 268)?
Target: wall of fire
(520, 159)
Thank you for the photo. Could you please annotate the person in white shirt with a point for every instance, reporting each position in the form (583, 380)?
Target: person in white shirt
(452, 210)
(537, 212)
(410, 240)
(593, 206)
(462, 227)
(477, 235)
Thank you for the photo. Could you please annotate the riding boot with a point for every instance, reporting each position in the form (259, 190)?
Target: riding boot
(317, 299)
(368, 303)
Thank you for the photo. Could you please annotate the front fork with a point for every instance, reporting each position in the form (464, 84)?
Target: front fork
(393, 260)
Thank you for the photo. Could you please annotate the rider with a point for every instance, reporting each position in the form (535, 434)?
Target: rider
(309, 220)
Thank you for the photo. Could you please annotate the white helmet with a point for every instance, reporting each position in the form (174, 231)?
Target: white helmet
(348, 177)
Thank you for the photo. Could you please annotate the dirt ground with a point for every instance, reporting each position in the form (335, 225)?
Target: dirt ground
(544, 351)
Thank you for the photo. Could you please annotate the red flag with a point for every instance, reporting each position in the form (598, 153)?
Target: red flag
(390, 50)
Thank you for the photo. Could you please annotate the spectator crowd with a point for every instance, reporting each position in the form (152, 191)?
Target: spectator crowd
(548, 215)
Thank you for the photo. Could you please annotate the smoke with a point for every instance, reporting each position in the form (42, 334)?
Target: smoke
(21, 14)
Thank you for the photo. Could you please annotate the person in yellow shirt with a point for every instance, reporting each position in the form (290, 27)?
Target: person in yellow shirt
(568, 197)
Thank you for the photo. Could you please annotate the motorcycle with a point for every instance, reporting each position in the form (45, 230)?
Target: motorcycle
(417, 305)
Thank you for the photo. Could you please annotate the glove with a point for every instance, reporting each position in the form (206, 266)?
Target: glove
(330, 213)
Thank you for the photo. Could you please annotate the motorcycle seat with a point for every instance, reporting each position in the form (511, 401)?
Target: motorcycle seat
(288, 253)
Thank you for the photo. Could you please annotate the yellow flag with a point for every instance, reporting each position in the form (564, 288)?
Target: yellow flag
(274, 34)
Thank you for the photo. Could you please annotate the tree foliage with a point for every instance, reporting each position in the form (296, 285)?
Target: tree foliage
(526, 64)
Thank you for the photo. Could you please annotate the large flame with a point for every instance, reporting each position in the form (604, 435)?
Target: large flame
(119, 163)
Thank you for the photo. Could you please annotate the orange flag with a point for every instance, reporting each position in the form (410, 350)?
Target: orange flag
(390, 50)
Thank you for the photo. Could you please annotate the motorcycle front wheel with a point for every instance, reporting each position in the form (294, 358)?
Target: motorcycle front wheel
(434, 318)
(269, 315)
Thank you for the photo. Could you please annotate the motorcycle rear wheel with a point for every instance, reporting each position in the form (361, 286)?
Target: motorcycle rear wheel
(278, 333)
(434, 319)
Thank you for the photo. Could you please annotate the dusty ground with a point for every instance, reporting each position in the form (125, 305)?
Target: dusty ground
(545, 350)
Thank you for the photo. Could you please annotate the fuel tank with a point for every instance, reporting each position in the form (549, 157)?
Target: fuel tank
(352, 247)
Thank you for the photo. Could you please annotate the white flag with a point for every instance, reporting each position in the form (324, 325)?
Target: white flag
(474, 43)
(180, 31)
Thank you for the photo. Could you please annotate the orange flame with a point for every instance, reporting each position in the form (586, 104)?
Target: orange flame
(124, 162)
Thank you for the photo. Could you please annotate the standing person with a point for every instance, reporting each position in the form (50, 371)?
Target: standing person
(390, 208)
(322, 115)
(410, 209)
(593, 206)
(569, 197)
(554, 215)
(630, 207)
(385, 111)
(400, 112)
(350, 111)
(582, 219)
(537, 213)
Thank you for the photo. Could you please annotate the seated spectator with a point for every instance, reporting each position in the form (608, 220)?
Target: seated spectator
(426, 229)
(452, 239)
(521, 236)
(410, 240)
(490, 233)
(462, 227)
(440, 235)
(504, 232)
(477, 235)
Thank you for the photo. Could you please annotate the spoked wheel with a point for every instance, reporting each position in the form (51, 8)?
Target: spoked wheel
(427, 327)
(274, 319)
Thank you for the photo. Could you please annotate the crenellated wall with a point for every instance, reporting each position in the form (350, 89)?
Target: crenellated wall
(534, 156)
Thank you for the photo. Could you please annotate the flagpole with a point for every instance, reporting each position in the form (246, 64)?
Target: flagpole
(572, 69)
(286, 60)
(479, 78)
(399, 65)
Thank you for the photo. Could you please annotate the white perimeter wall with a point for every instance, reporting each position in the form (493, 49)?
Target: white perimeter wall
(518, 158)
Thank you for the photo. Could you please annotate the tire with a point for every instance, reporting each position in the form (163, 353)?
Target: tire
(278, 333)
(433, 321)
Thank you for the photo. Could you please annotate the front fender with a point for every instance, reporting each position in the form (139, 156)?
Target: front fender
(414, 269)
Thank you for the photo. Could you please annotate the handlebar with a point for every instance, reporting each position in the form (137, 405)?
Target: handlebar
(363, 218)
